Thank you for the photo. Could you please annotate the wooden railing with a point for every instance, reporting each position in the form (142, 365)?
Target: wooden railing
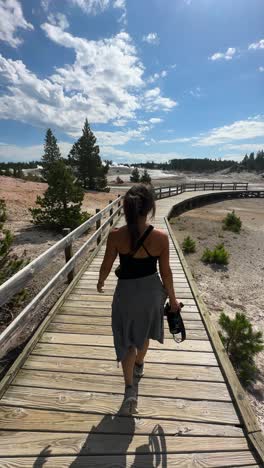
(169, 191)
(17, 282)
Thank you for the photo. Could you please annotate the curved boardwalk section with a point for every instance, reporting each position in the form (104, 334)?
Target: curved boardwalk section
(61, 409)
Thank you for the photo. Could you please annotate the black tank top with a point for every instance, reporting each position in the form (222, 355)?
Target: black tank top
(131, 267)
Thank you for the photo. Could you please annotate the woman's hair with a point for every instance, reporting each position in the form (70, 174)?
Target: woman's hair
(139, 200)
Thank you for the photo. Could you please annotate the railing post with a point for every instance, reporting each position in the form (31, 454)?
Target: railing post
(110, 213)
(98, 225)
(160, 192)
(68, 253)
(234, 186)
(195, 188)
(119, 204)
(169, 191)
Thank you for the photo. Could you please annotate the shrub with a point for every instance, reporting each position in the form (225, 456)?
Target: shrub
(232, 222)
(241, 344)
(119, 180)
(145, 178)
(9, 265)
(135, 176)
(219, 255)
(188, 245)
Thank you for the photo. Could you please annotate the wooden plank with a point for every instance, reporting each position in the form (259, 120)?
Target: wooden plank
(22, 419)
(210, 391)
(108, 353)
(93, 340)
(106, 311)
(103, 302)
(72, 443)
(106, 321)
(150, 407)
(74, 328)
(101, 313)
(108, 367)
(203, 459)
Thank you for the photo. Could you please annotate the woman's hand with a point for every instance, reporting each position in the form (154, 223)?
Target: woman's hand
(175, 307)
(100, 286)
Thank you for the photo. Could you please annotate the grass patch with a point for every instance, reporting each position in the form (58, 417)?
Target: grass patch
(188, 245)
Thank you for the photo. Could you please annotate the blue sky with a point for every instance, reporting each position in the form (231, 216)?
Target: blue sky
(157, 79)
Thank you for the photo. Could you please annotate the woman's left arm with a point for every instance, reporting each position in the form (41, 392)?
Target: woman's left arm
(109, 258)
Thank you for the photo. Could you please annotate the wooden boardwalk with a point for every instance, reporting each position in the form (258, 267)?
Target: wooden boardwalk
(61, 408)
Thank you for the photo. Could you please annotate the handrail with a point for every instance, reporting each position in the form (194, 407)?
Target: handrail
(18, 281)
(9, 334)
(171, 190)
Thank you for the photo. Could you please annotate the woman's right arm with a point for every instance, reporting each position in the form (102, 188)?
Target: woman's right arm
(166, 273)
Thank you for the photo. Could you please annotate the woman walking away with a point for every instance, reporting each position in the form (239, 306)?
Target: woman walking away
(139, 297)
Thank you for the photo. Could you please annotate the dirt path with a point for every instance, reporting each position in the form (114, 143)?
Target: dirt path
(240, 285)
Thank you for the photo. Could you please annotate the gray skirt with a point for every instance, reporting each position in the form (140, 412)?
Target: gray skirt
(137, 312)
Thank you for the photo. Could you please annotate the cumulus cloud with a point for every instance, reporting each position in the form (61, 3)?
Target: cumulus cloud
(151, 38)
(240, 130)
(244, 147)
(104, 83)
(153, 101)
(28, 153)
(12, 18)
(256, 45)
(128, 156)
(228, 55)
(58, 19)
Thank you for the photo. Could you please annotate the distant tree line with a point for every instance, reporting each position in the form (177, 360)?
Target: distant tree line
(253, 162)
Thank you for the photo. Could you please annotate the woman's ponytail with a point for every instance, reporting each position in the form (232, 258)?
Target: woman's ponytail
(138, 201)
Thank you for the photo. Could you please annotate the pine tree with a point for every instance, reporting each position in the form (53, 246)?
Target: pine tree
(51, 153)
(145, 178)
(241, 344)
(85, 156)
(135, 176)
(61, 205)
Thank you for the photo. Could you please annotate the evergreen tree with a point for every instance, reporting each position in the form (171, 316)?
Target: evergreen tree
(145, 178)
(85, 157)
(61, 205)
(9, 265)
(241, 344)
(51, 153)
(135, 176)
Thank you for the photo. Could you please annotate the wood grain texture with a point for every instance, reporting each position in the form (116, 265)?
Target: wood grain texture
(20, 418)
(108, 367)
(100, 403)
(195, 460)
(148, 387)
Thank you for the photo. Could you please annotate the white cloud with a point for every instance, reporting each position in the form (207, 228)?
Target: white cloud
(151, 38)
(245, 147)
(98, 85)
(119, 138)
(228, 55)
(28, 153)
(97, 6)
(156, 76)
(120, 123)
(12, 18)
(196, 92)
(58, 19)
(179, 140)
(257, 45)
(261, 69)
(240, 130)
(154, 101)
(128, 156)
(155, 120)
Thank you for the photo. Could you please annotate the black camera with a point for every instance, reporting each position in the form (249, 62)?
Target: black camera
(175, 323)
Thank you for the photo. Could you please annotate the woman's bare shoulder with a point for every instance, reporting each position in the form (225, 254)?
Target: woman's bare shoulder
(161, 236)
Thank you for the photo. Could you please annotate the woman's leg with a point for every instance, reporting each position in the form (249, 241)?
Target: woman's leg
(128, 366)
(141, 353)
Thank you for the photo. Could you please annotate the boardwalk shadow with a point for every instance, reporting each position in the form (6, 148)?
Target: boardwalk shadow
(105, 439)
